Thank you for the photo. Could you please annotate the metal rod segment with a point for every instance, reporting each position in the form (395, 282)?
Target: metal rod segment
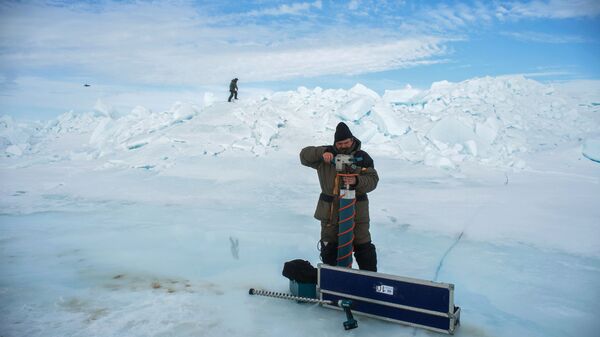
(285, 296)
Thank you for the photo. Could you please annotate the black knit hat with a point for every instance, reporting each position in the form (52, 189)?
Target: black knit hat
(342, 132)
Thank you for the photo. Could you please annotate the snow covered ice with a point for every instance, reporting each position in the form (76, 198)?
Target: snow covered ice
(157, 223)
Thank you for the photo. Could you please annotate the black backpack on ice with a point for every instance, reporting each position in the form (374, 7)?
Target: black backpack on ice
(300, 271)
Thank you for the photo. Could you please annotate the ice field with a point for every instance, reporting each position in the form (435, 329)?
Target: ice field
(150, 223)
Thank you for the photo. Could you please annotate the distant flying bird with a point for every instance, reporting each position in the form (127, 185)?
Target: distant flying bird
(86, 85)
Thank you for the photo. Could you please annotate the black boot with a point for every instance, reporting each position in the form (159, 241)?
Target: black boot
(366, 256)
(329, 253)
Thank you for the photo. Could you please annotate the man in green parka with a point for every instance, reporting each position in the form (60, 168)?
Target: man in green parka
(321, 159)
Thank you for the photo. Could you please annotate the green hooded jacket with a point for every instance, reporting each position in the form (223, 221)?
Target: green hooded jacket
(328, 204)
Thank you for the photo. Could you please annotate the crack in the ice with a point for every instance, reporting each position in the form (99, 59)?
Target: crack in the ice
(439, 267)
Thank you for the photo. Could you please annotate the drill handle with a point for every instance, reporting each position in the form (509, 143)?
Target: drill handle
(350, 322)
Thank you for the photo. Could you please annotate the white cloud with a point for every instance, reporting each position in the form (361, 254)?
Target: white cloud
(444, 18)
(555, 9)
(546, 74)
(449, 18)
(161, 44)
(544, 38)
(155, 54)
(353, 5)
(343, 59)
(298, 8)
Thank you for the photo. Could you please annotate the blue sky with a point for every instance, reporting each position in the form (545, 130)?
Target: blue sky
(155, 53)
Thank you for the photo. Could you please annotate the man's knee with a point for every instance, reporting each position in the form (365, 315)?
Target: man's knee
(366, 256)
(362, 233)
(329, 252)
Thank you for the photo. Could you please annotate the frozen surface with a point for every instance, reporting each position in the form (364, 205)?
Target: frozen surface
(591, 149)
(157, 224)
(490, 121)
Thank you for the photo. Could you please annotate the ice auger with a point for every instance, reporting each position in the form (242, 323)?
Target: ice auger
(344, 165)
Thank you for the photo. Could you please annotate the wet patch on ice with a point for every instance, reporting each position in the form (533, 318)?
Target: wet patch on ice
(169, 285)
(468, 329)
(77, 305)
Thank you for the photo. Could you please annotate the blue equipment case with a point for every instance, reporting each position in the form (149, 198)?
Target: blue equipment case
(418, 303)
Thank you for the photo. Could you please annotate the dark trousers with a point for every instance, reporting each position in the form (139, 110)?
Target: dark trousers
(233, 94)
(365, 255)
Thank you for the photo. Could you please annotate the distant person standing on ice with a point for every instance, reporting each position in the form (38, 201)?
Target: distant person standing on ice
(321, 158)
(233, 89)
